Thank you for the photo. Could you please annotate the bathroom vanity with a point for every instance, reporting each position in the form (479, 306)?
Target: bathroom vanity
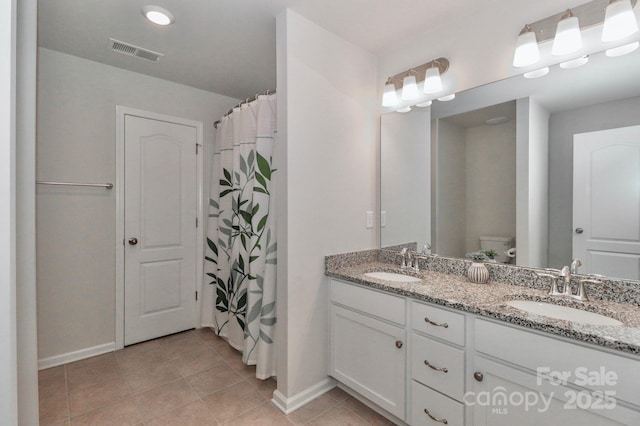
(441, 350)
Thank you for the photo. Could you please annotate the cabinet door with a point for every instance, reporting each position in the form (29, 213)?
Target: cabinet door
(509, 396)
(368, 355)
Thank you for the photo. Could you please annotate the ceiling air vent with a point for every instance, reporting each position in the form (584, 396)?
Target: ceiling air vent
(132, 50)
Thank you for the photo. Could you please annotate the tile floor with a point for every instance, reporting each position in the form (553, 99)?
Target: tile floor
(190, 378)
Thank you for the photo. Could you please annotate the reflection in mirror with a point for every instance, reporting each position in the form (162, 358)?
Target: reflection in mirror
(524, 189)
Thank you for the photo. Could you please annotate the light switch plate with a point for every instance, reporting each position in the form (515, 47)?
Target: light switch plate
(383, 219)
(369, 219)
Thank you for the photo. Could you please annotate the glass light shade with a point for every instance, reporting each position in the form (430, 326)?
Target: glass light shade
(405, 109)
(537, 73)
(568, 38)
(622, 50)
(389, 97)
(619, 21)
(424, 104)
(527, 52)
(447, 98)
(575, 63)
(432, 81)
(409, 88)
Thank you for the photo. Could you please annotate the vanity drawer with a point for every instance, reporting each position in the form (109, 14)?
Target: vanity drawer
(372, 302)
(438, 322)
(438, 406)
(440, 356)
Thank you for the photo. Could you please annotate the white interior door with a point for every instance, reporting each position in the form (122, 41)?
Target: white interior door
(160, 210)
(606, 202)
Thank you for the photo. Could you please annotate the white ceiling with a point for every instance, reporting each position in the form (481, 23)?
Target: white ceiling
(228, 46)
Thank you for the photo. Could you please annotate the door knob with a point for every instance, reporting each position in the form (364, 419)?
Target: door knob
(478, 376)
(398, 344)
(579, 230)
(133, 241)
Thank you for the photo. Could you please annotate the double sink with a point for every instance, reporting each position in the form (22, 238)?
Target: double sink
(546, 309)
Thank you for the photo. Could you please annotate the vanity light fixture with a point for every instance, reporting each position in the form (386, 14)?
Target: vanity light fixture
(619, 21)
(158, 15)
(527, 51)
(407, 81)
(568, 38)
(424, 104)
(622, 50)
(537, 73)
(405, 109)
(575, 63)
(615, 17)
(390, 97)
(409, 87)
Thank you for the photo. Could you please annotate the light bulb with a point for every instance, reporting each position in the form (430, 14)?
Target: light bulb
(432, 81)
(619, 21)
(389, 97)
(568, 38)
(409, 88)
(527, 52)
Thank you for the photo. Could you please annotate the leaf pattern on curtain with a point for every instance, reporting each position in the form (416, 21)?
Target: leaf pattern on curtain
(241, 245)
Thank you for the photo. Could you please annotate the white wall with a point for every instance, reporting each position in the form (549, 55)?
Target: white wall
(532, 191)
(562, 127)
(8, 351)
(76, 226)
(326, 161)
(406, 177)
(491, 183)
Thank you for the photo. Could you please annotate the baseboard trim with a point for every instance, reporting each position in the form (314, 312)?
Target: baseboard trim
(54, 361)
(289, 405)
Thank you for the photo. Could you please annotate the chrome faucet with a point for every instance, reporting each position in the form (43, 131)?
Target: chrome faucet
(565, 274)
(409, 259)
(575, 263)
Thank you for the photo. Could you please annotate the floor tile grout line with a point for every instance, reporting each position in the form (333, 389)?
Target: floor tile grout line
(66, 389)
(349, 409)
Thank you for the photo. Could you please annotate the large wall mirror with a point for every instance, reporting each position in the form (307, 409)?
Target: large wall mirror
(548, 167)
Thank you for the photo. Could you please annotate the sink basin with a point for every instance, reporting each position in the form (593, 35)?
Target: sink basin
(562, 312)
(391, 276)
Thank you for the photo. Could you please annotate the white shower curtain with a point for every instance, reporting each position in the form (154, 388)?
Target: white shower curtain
(240, 257)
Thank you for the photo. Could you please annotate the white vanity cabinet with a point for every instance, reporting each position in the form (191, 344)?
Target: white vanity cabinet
(368, 344)
(428, 365)
(525, 378)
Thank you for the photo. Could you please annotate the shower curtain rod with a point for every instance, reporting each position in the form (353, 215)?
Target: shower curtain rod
(246, 101)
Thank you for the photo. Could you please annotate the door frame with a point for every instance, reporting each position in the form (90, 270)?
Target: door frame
(121, 112)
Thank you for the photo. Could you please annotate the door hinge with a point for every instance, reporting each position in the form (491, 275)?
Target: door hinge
(196, 296)
(197, 145)
(197, 222)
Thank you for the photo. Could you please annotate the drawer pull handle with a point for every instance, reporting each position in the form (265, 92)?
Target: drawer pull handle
(444, 324)
(443, 421)
(398, 344)
(443, 369)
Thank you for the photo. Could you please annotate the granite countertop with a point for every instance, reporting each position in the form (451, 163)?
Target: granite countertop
(488, 300)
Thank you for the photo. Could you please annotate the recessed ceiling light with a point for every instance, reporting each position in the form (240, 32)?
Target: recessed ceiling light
(497, 120)
(158, 15)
